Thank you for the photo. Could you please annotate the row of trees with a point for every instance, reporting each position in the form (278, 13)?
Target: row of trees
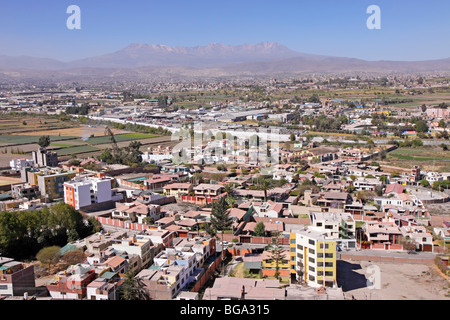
(24, 233)
(139, 128)
(82, 110)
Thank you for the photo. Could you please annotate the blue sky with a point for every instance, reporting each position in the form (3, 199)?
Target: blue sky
(410, 30)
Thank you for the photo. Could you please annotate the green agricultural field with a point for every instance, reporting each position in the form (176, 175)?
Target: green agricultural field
(18, 140)
(62, 145)
(75, 150)
(420, 154)
(106, 139)
(136, 135)
(120, 138)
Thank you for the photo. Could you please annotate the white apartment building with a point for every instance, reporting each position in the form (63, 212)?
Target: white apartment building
(86, 191)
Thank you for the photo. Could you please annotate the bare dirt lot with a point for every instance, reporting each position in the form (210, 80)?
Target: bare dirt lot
(8, 180)
(397, 281)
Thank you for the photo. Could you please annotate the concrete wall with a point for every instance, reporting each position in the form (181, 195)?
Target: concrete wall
(373, 258)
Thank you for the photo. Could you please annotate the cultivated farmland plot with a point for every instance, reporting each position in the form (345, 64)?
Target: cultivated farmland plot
(75, 150)
(12, 140)
(120, 138)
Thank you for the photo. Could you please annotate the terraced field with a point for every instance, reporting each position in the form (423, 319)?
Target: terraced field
(428, 158)
(14, 140)
(75, 150)
(19, 140)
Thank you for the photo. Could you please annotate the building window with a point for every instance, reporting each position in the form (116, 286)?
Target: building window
(312, 242)
(312, 251)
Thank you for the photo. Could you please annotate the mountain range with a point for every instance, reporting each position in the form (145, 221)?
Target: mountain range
(266, 58)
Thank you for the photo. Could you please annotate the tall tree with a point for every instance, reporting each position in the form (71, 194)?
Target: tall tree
(220, 217)
(277, 254)
(260, 229)
(265, 185)
(132, 288)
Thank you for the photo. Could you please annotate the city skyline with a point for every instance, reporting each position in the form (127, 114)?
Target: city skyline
(410, 31)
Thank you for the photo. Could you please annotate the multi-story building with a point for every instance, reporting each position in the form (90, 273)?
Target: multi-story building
(174, 270)
(25, 190)
(269, 209)
(402, 200)
(82, 192)
(313, 257)
(50, 181)
(136, 211)
(363, 184)
(161, 283)
(16, 278)
(160, 236)
(433, 177)
(51, 185)
(382, 235)
(104, 288)
(98, 242)
(438, 113)
(208, 190)
(177, 189)
(20, 163)
(335, 225)
(72, 283)
(140, 245)
(421, 237)
(45, 158)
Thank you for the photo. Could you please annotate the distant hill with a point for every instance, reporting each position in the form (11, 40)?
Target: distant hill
(213, 55)
(145, 61)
